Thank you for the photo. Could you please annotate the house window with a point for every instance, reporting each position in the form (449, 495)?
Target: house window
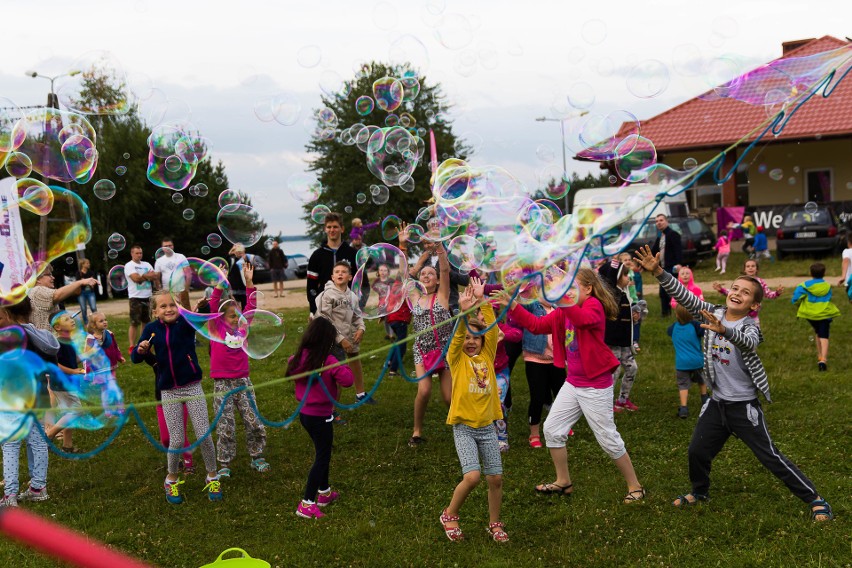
(818, 185)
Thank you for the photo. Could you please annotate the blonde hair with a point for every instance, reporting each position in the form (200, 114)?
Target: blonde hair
(90, 326)
(85, 263)
(356, 222)
(588, 277)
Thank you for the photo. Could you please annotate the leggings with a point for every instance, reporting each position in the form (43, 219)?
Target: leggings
(544, 380)
(164, 431)
(36, 461)
(321, 431)
(400, 329)
(197, 409)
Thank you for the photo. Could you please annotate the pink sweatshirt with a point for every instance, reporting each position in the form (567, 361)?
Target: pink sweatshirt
(228, 360)
(318, 403)
(689, 285)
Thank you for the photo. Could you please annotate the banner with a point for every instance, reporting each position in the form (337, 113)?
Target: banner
(13, 259)
(730, 215)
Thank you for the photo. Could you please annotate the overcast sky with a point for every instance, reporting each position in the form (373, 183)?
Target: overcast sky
(502, 63)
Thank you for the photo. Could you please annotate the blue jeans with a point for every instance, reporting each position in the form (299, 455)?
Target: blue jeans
(398, 351)
(36, 462)
(87, 299)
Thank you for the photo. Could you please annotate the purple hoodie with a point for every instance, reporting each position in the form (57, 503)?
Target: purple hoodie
(318, 403)
(228, 360)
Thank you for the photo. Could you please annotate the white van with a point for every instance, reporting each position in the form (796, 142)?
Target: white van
(637, 199)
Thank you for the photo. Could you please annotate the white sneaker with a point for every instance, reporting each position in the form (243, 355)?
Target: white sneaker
(8, 501)
(30, 495)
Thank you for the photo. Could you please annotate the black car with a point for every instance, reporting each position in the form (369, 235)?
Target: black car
(297, 267)
(811, 228)
(696, 237)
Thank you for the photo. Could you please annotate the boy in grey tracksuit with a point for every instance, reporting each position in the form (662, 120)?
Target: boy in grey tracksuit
(736, 374)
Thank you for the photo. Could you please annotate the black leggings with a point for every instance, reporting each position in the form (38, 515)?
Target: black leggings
(544, 380)
(513, 351)
(321, 431)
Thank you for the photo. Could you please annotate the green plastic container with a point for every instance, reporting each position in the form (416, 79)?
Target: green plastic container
(243, 561)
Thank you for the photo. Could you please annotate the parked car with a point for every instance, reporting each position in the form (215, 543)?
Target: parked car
(811, 228)
(297, 267)
(696, 237)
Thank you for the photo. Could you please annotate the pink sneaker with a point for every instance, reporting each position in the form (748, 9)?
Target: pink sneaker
(309, 511)
(626, 405)
(324, 499)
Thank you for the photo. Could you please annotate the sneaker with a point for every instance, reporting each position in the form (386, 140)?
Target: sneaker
(34, 495)
(617, 408)
(224, 472)
(214, 487)
(365, 399)
(8, 501)
(683, 412)
(324, 499)
(627, 405)
(309, 511)
(504, 446)
(188, 467)
(822, 366)
(339, 420)
(172, 489)
(636, 347)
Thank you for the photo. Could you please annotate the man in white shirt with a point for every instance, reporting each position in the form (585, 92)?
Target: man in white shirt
(140, 276)
(174, 271)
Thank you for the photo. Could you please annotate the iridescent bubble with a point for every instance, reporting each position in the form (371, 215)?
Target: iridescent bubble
(648, 79)
(776, 174)
(388, 93)
(201, 190)
(309, 56)
(146, 225)
(60, 144)
(391, 120)
(121, 170)
(18, 164)
(214, 240)
(690, 164)
(117, 279)
(104, 189)
(791, 180)
(75, 91)
(177, 197)
(393, 154)
(173, 163)
(126, 155)
(112, 254)
(360, 198)
(411, 86)
(390, 227)
(116, 241)
(593, 32)
(304, 186)
(69, 260)
(19, 390)
(240, 224)
(454, 31)
(413, 290)
(189, 214)
(381, 196)
(364, 105)
(286, 108)
(348, 209)
(229, 197)
(162, 176)
(407, 49)
(205, 249)
(333, 85)
(465, 253)
(318, 214)
(600, 135)
(80, 157)
(635, 155)
(406, 120)
(386, 293)
(613, 180)
(581, 96)
(415, 233)
(12, 130)
(811, 207)
(264, 333)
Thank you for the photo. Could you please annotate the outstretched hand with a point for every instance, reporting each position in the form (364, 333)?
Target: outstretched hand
(502, 298)
(717, 287)
(648, 260)
(467, 299)
(711, 322)
(478, 287)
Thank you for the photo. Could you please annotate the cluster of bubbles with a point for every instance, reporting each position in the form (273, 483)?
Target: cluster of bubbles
(174, 152)
(389, 286)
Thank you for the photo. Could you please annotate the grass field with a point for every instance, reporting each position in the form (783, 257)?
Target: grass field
(392, 495)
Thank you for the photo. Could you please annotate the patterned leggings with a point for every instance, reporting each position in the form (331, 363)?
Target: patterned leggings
(226, 429)
(200, 424)
(629, 369)
(36, 460)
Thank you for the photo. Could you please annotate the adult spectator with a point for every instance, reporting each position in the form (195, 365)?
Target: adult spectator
(277, 264)
(669, 246)
(170, 263)
(323, 259)
(237, 257)
(45, 298)
(140, 278)
(86, 299)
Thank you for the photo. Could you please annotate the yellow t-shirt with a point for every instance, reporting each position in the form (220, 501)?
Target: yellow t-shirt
(476, 398)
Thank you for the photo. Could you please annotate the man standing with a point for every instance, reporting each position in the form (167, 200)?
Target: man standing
(669, 246)
(323, 259)
(277, 264)
(236, 278)
(45, 298)
(174, 271)
(140, 276)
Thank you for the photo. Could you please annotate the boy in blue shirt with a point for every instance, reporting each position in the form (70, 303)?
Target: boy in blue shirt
(686, 335)
(761, 245)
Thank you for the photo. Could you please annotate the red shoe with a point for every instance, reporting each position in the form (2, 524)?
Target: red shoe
(626, 405)
(535, 441)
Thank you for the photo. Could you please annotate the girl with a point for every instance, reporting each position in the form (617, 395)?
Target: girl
(98, 335)
(688, 280)
(172, 340)
(229, 369)
(432, 308)
(474, 408)
(382, 287)
(723, 251)
(638, 304)
(751, 268)
(544, 379)
(619, 332)
(87, 293)
(314, 352)
(578, 345)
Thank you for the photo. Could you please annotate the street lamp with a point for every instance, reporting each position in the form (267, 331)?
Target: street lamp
(52, 101)
(561, 122)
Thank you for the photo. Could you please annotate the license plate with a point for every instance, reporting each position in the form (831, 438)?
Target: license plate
(806, 235)
(705, 241)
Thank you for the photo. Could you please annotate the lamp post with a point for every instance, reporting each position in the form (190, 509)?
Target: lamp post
(561, 122)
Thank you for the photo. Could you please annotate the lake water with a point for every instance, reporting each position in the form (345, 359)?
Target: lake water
(300, 246)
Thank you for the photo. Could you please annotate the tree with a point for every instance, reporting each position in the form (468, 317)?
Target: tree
(341, 167)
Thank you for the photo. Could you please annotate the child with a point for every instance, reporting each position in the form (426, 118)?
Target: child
(723, 251)
(359, 228)
(688, 280)
(172, 340)
(398, 322)
(749, 231)
(689, 361)
(736, 374)
(474, 407)
(751, 268)
(508, 333)
(229, 369)
(814, 300)
(314, 352)
(382, 287)
(544, 379)
(637, 303)
(68, 363)
(98, 335)
(339, 305)
(761, 244)
(45, 346)
(619, 332)
(578, 346)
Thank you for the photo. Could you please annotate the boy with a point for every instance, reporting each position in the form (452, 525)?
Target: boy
(339, 305)
(761, 245)
(68, 364)
(686, 336)
(814, 300)
(736, 374)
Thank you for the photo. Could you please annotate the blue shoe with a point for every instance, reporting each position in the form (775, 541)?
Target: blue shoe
(339, 420)
(365, 399)
(173, 495)
(214, 486)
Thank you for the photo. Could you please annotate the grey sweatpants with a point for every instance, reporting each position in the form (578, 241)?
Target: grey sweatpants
(629, 369)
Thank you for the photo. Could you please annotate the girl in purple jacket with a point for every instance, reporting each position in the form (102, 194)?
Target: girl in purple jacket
(314, 352)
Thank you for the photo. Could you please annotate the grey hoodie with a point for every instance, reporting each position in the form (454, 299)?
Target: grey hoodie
(341, 308)
(41, 339)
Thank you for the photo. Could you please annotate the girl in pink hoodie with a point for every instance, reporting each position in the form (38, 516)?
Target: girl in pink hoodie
(688, 280)
(229, 369)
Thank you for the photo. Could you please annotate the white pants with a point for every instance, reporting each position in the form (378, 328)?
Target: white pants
(596, 406)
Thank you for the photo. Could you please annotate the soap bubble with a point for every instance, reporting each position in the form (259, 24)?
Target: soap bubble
(309, 56)
(104, 189)
(189, 214)
(112, 254)
(304, 186)
(240, 224)
(776, 174)
(690, 164)
(264, 333)
(60, 144)
(393, 154)
(146, 225)
(581, 96)
(465, 253)
(384, 296)
(18, 164)
(201, 190)
(74, 91)
(381, 195)
(360, 198)
(390, 227)
(318, 214)
(229, 197)
(205, 249)
(126, 156)
(648, 79)
(214, 240)
(121, 170)
(117, 279)
(811, 207)
(177, 197)
(117, 242)
(364, 105)
(19, 390)
(388, 93)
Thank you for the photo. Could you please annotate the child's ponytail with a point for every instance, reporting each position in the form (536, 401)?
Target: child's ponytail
(588, 277)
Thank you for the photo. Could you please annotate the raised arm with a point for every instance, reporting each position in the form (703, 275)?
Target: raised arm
(443, 276)
(670, 284)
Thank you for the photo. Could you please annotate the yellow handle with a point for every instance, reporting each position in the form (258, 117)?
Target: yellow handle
(240, 550)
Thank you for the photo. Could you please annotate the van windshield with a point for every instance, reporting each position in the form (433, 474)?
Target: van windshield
(801, 218)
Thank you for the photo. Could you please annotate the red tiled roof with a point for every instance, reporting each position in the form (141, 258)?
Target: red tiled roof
(699, 123)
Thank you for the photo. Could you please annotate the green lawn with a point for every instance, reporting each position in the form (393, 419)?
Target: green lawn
(392, 495)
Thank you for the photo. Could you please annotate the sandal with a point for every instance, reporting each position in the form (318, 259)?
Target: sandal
(684, 501)
(634, 496)
(415, 441)
(70, 450)
(554, 489)
(535, 441)
(455, 534)
(498, 535)
(261, 465)
(822, 512)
